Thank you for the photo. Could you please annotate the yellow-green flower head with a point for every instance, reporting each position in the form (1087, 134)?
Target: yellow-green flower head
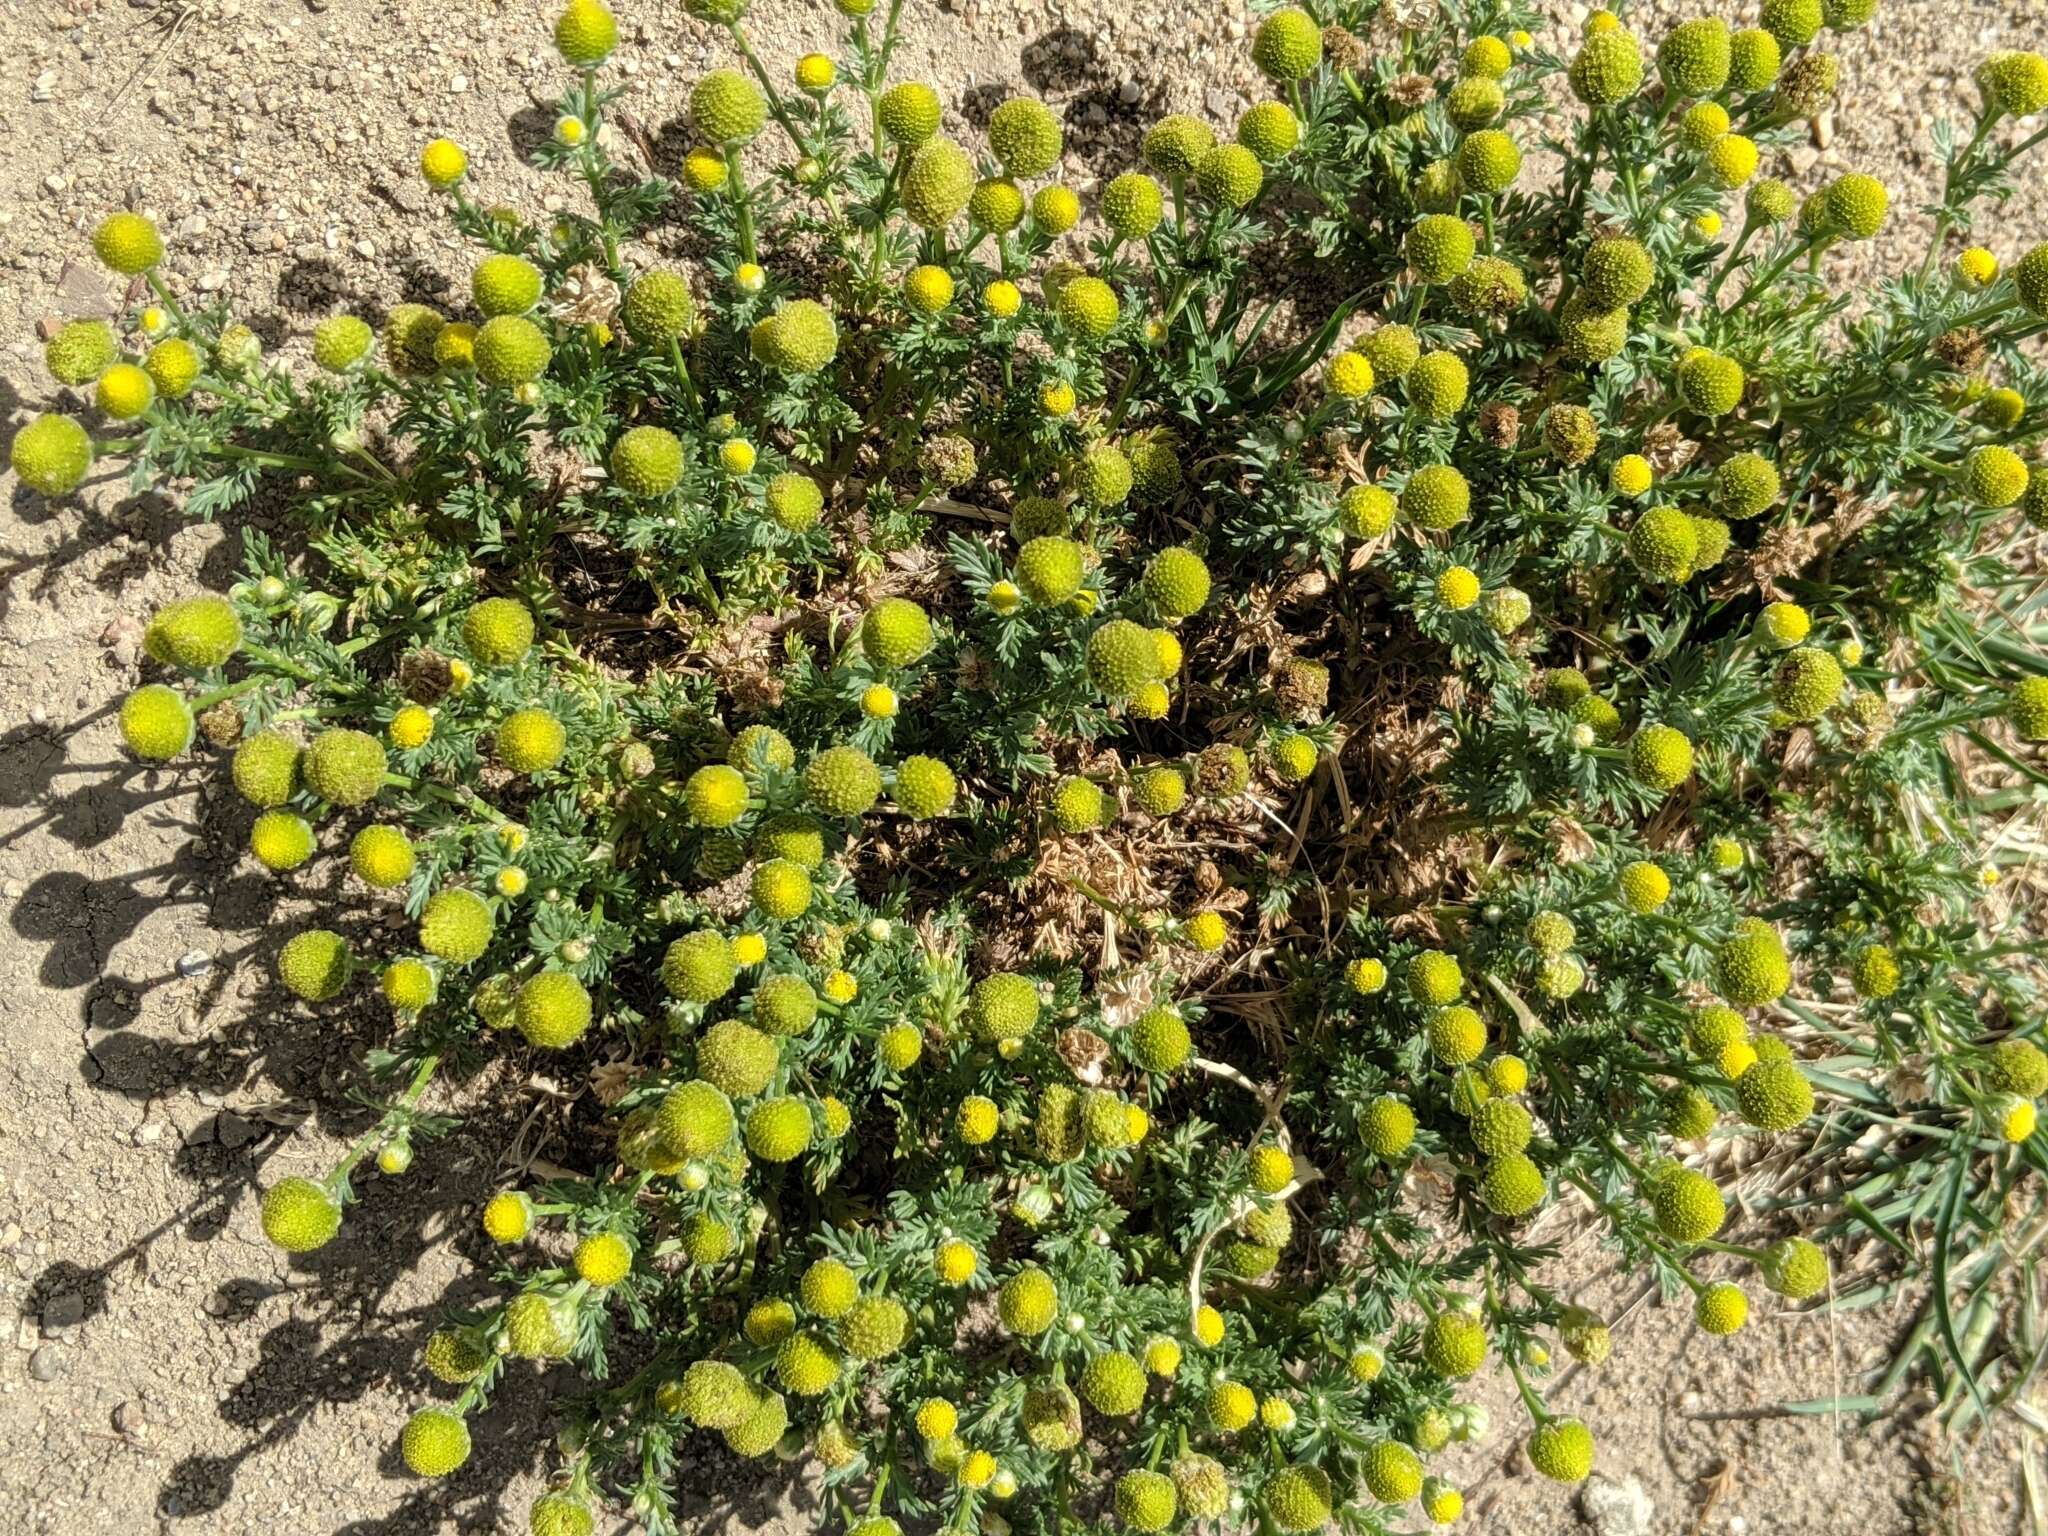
(1295, 757)
(266, 769)
(2011, 1117)
(1077, 804)
(647, 461)
(198, 633)
(602, 1260)
(552, 1010)
(910, 114)
(1437, 187)
(1002, 298)
(785, 1005)
(1746, 485)
(781, 890)
(1856, 206)
(560, 1514)
(806, 1366)
(1795, 1268)
(1386, 1126)
(727, 108)
(1122, 658)
(1145, 1501)
(1732, 160)
(1391, 1471)
(344, 767)
(778, 1130)
(1454, 1345)
(455, 926)
(895, 632)
(1367, 511)
(1709, 383)
(1473, 102)
(2026, 706)
(735, 1058)
(1994, 476)
(700, 968)
(1643, 886)
(925, 787)
(1392, 350)
(80, 352)
(1774, 1095)
(794, 501)
(1437, 388)
(530, 741)
(443, 163)
(1269, 130)
(1175, 144)
(341, 341)
(1457, 588)
(1177, 583)
(1750, 968)
(1028, 1303)
(237, 350)
(1231, 175)
(1561, 1449)
(1754, 59)
(2014, 83)
(1456, 1034)
(815, 73)
(281, 840)
(1113, 1384)
(1663, 544)
(996, 204)
(1132, 205)
(658, 308)
(1608, 68)
(1050, 1413)
(1487, 57)
(843, 781)
(875, 1329)
(1489, 161)
(1701, 124)
(127, 243)
(1782, 625)
(767, 1420)
(586, 34)
(505, 285)
(801, 337)
(1848, 15)
(1025, 136)
(1721, 1309)
(1506, 609)
(315, 965)
(1100, 477)
(1490, 285)
(1349, 376)
(705, 170)
(173, 366)
(511, 350)
(1660, 756)
(1631, 476)
(299, 1215)
(937, 182)
(1299, 1498)
(1439, 246)
(1055, 209)
(1003, 1006)
(1571, 434)
(1050, 569)
(498, 631)
(715, 795)
(1591, 334)
(2002, 409)
(1087, 307)
(1616, 271)
(1794, 23)
(1288, 45)
(1808, 683)
(1158, 791)
(1694, 57)
(1155, 467)
(455, 1356)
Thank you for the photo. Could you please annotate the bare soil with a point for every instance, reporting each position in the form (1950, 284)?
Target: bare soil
(168, 1370)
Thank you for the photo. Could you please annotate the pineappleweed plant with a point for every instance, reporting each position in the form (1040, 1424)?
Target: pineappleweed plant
(1139, 791)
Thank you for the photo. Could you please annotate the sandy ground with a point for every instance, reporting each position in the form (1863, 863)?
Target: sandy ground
(167, 1370)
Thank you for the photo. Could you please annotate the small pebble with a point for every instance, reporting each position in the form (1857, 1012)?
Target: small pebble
(194, 962)
(47, 1363)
